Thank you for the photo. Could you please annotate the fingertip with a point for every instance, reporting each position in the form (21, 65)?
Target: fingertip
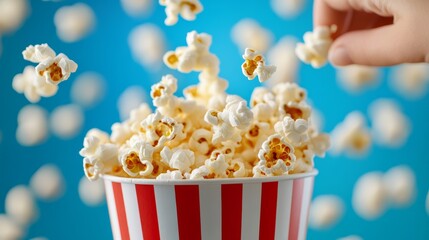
(339, 56)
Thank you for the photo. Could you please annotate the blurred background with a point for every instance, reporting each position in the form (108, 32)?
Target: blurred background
(119, 44)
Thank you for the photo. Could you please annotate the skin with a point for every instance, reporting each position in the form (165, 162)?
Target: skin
(376, 32)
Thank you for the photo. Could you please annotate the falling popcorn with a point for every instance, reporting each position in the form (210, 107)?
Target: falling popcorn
(136, 8)
(325, 211)
(283, 56)
(316, 46)
(20, 205)
(130, 99)
(410, 80)
(32, 125)
(287, 8)
(207, 133)
(352, 136)
(247, 33)
(54, 68)
(91, 193)
(9, 229)
(427, 203)
(12, 14)
(147, 43)
(188, 9)
(47, 183)
(254, 65)
(369, 196)
(66, 121)
(351, 237)
(88, 89)
(74, 22)
(354, 78)
(390, 126)
(399, 183)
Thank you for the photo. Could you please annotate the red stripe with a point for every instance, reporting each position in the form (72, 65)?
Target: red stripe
(120, 209)
(188, 211)
(297, 191)
(232, 196)
(309, 202)
(267, 224)
(147, 209)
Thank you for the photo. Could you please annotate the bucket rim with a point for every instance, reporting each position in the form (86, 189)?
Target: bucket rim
(117, 179)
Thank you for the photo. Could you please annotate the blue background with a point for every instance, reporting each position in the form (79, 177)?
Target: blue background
(106, 51)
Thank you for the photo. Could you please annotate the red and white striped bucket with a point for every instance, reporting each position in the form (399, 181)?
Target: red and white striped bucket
(246, 208)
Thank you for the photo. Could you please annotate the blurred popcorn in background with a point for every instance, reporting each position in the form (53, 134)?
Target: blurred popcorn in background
(88, 89)
(20, 205)
(12, 14)
(66, 121)
(32, 125)
(147, 44)
(9, 229)
(247, 33)
(390, 127)
(325, 211)
(369, 196)
(400, 185)
(283, 56)
(351, 237)
(137, 8)
(130, 99)
(410, 80)
(91, 192)
(356, 78)
(74, 22)
(287, 8)
(47, 183)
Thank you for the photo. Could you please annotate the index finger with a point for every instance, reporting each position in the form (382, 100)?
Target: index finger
(325, 15)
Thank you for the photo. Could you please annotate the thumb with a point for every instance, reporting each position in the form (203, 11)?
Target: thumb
(383, 46)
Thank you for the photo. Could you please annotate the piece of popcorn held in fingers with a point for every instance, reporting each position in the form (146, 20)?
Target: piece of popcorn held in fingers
(254, 65)
(316, 46)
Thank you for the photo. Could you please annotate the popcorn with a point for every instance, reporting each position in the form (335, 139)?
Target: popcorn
(276, 157)
(47, 182)
(351, 237)
(399, 183)
(9, 229)
(316, 46)
(294, 130)
(91, 192)
(32, 85)
(254, 65)
(130, 99)
(427, 203)
(351, 136)
(354, 78)
(287, 8)
(32, 125)
(410, 80)
(170, 175)
(188, 9)
(54, 68)
(137, 160)
(20, 205)
(66, 121)
(136, 8)
(369, 196)
(282, 55)
(88, 89)
(194, 57)
(147, 44)
(179, 159)
(390, 127)
(74, 22)
(247, 33)
(207, 133)
(12, 14)
(325, 211)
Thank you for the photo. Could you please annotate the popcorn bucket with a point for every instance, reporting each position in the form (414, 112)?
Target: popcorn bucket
(245, 208)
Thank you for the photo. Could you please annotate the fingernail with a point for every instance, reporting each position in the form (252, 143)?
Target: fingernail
(339, 57)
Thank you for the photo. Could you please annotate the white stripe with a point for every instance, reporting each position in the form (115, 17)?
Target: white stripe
(165, 198)
(251, 211)
(132, 211)
(113, 215)
(210, 211)
(306, 198)
(284, 206)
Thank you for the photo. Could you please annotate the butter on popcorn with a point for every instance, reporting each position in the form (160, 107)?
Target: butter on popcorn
(254, 65)
(208, 133)
(316, 46)
(187, 9)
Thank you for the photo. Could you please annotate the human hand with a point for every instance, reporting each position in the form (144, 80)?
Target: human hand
(376, 32)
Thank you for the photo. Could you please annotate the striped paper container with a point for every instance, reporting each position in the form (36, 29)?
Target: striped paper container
(246, 208)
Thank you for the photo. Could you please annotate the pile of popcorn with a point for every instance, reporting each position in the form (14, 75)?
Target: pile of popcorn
(207, 133)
